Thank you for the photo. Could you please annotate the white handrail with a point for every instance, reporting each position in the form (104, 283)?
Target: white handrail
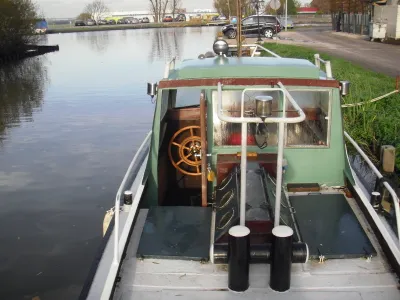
(379, 175)
(243, 163)
(118, 200)
(169, 66)
(257, 46)
(327, 63)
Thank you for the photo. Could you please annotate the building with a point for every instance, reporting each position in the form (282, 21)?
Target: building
(307, 10)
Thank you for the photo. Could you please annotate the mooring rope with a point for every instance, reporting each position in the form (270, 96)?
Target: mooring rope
(370, 101)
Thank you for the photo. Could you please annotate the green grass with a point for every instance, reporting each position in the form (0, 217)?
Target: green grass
(373, 124)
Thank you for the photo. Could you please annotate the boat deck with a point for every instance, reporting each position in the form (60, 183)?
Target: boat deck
(333, 279)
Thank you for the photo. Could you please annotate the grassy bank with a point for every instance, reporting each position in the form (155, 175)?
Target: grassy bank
(72, 28)
(373, 124)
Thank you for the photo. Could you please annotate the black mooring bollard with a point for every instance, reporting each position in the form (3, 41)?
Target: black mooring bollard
(127, 200)
(238, 258)
(376, 200)
(281, 262)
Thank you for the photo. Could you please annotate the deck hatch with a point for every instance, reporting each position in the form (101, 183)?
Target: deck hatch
(329, 227)
(180, 232)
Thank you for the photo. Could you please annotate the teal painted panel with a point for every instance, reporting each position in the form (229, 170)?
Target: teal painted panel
(233, 67)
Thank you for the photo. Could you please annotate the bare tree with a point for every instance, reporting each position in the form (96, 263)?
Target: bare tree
(97, 9)
(174, 6)
(158, 9)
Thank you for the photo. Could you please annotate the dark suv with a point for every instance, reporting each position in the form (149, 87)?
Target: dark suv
(269, 25)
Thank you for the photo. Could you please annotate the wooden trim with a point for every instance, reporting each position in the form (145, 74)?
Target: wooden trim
(185, 114)
(203, 135)
(165, 84)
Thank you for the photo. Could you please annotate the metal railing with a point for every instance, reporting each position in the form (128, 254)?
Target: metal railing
(327, 63)
(121, 189)
(169, 66)
(244, 120)
(256, 46)
(379, 175)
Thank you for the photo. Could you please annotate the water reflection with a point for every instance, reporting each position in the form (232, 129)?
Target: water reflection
(97, 41)
(22, 86)
(166, 44)
(59, 174)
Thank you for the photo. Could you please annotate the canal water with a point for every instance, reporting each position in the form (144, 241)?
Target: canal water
(70, 122)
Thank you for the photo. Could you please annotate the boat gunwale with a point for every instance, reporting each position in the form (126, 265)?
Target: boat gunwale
(246, 81)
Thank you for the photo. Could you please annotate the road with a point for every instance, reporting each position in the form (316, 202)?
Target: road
(382, 58)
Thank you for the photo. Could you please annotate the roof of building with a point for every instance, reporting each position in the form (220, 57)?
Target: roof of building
(233, 67)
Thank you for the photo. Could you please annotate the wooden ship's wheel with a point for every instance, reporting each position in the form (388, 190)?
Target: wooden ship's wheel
(185, 151)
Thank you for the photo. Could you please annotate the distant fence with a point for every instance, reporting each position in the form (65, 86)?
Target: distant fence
(309, 18)
(351, 23)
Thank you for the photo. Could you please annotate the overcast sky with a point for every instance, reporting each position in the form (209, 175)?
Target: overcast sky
(71, 8)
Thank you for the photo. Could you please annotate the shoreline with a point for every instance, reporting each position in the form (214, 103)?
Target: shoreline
(74, 29)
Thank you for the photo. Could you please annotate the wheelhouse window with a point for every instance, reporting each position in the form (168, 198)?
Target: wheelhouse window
(229, 134)
(314, 130)
(185, 97)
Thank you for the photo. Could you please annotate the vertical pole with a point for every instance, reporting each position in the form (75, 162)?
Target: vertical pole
(229, 8)
(258, 21)
(116, 233)
(279, 174)
(239, 27)
(243, 177)
(203, 135)
(286, 15)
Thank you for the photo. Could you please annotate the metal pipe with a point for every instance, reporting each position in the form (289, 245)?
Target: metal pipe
(244, 121)
(328, 69)
(166, 70)
(317, 61)
(116, 233)
(379, 175)
(279, 171)
(118, 199)
(258, 46)
(225, 118)
(243, 175)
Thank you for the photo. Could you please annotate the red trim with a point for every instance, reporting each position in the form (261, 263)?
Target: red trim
(165, 84)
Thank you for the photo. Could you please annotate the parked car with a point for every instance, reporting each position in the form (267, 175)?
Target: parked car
(180, 18)
(121, 21)
(168, 19)
(269, 25)
(111, 22)
(102, 22)
(145, 20)
(282, 20)
(130, 20)
(90, 22)
(80, 23)
(222, 18)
